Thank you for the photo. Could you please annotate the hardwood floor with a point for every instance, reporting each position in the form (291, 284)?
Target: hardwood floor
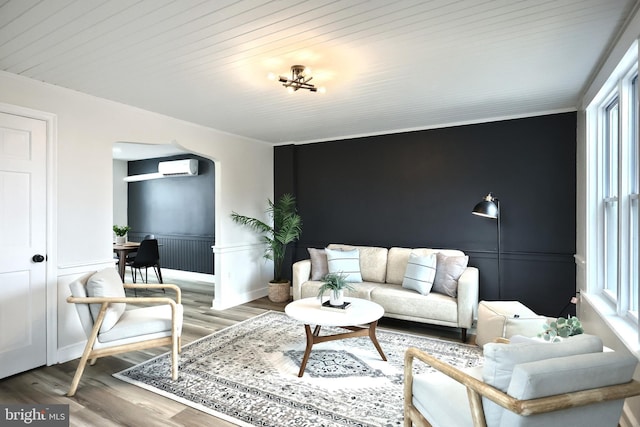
(102, 400)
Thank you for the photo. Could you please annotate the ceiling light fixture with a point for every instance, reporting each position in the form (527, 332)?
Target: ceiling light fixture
(300, 78)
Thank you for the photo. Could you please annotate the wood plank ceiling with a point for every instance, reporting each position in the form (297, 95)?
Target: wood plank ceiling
(387, 66)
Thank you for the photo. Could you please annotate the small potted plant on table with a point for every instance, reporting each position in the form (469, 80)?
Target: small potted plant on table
(336, 283)
(121, 233)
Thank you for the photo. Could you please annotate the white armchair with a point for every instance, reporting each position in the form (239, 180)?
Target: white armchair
(528, 384)
(111, 328)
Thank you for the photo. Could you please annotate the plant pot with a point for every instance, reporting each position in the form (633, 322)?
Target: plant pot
(121, 240)
(279, 291)
(336, 298)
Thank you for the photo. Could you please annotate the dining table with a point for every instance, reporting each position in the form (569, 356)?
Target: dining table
(122, 249)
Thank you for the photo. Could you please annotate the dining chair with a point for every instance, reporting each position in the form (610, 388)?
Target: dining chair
(147, 256)
(132, 255)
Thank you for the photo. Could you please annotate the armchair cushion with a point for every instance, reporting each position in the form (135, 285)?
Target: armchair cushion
(106, 283)
(500, 360)
(565, 375)
(139, 322)
(79, 290)
(448, 411)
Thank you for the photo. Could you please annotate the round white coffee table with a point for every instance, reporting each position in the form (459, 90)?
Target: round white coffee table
(361, 313)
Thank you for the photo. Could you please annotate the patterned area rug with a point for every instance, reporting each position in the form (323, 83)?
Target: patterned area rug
(248, 374)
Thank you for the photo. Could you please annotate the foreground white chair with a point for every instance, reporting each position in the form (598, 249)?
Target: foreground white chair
(101, 302)
(572, 383)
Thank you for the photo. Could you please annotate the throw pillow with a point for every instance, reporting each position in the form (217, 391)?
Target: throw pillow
(420, 273)
(345, 262)
(448, 271)
(319, 267)
(106, 283)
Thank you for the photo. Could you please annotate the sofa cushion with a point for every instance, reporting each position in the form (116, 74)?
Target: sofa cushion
(398, 259)
(448, 271)
(310, 288)
(106, 283)
(397, 262)
(421, 270)
(373, 261)
(345, 262)
(397, 300)
(319, 267)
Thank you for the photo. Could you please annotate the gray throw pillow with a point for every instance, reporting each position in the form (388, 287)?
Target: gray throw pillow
(420, 273)
(448, 271)
(319, 267)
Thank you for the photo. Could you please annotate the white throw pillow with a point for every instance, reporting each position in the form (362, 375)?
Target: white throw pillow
(345, 262)
(420, 273)
(106, 283)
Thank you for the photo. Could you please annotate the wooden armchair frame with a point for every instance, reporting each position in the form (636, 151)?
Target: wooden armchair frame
(476, 389)
(93, 354)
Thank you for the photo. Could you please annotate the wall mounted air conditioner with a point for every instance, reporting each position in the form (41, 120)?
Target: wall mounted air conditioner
(178, 167)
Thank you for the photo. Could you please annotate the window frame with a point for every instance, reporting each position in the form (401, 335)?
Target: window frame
(616, 190)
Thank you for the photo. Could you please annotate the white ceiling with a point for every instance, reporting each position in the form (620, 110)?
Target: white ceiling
(387, 65)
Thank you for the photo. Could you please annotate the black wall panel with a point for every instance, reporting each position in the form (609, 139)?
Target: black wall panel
(417, 189)
(178, 210)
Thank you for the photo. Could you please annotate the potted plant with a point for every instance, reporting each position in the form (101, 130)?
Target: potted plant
(121, 233)
(561, 328)
(336, 283)
(286, 228)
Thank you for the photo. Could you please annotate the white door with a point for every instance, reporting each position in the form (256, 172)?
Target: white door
(23, 326)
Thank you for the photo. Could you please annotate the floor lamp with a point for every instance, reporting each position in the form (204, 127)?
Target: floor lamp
(489, 207)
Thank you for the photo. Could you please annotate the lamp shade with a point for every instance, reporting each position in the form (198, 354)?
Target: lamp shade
(487, 207)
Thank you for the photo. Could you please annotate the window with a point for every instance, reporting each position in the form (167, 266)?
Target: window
(617, 194)
(634, 187)
(610, 201)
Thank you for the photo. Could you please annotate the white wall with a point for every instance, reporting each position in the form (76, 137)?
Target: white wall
(86, 129)
(594, 320)
(120, 192)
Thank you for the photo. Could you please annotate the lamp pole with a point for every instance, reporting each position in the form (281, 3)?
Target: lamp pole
(499, 251)
(489, 207)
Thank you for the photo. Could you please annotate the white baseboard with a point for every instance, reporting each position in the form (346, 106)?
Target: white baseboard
(187, 275)
(240, 299)
(70, 352)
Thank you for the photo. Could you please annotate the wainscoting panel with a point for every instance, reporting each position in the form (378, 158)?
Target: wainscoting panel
(179, 252)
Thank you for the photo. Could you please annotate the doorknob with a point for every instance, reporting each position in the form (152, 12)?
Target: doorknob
(37, 258)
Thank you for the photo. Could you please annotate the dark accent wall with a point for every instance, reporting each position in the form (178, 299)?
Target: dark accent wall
(179, 211)
(417, 189)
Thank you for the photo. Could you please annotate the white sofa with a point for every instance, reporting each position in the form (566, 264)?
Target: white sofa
(383, 271)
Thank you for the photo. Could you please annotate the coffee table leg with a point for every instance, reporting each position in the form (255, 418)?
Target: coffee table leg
(374, 339)
(307, 351)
